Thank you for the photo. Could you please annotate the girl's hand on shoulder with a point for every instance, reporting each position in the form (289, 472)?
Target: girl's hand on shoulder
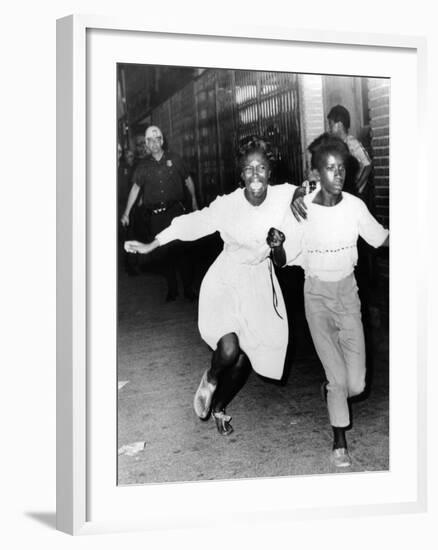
(298, 206)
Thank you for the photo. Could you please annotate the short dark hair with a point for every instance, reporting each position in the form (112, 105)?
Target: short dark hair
(254, 144)
(325, 145)
(338, 113)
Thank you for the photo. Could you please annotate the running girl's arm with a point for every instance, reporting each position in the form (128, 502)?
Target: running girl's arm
(136, 247)
(369, 228)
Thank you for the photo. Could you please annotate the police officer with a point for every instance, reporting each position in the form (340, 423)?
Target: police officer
(160, 178)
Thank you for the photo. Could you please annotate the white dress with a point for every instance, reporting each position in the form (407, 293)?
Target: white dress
(240, 292)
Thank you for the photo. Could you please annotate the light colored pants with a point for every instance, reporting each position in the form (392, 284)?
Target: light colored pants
(334, 318)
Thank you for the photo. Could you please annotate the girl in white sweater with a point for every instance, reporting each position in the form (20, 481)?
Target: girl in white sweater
(335, 220)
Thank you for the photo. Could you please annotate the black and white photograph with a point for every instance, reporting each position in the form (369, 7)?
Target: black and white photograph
(252, 274)
(218, 279)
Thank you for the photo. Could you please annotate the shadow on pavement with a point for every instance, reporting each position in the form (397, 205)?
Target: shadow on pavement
(46, 518)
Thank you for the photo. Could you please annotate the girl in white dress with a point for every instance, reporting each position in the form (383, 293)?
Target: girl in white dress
(242, 316)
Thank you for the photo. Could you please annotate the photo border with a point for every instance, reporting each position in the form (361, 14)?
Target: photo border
(72, 304)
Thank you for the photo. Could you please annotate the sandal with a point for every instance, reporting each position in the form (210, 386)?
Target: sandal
(203, 397)
(223, 422)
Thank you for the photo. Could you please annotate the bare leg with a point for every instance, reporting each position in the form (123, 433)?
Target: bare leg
(231, 382)
(224, 356)
(339, 441)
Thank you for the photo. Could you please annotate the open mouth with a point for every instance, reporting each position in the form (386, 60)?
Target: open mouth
(256, 185)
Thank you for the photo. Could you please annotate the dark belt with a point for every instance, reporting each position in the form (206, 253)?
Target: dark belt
(161, 207)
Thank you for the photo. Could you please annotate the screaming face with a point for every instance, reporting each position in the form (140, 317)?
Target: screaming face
(255, 174)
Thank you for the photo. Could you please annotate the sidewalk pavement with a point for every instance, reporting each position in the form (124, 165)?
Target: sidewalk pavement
(281, 429)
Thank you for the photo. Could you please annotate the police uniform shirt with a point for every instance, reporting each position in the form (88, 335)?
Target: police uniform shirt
(163, 180)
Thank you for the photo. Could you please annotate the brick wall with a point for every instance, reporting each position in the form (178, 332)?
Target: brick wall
(378, 103)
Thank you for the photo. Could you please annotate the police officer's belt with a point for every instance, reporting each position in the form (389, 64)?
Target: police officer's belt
(161, 207)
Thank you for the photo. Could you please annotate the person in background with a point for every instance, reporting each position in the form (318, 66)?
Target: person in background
(135, 227)
(242, 316)
(358, 164)
(335, 220)
(140, 148)
(124, 178)
(159, 180)
(359, 168)
(125, 172)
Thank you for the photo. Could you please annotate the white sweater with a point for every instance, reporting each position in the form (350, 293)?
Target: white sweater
(329, 237)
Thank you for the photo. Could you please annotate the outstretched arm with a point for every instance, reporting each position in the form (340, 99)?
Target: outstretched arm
(188, 227)
(370, 229)
(275, 240)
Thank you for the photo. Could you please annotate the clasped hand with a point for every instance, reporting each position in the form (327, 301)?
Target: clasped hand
(275, 238)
